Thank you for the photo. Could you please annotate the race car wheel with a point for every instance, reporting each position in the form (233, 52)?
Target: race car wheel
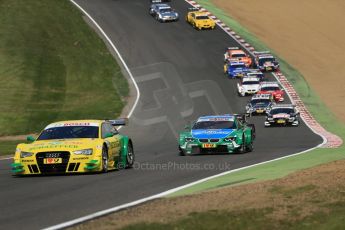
(130, 156)
(242, 148)
(104, 159)
(249, 148)
(181, 152)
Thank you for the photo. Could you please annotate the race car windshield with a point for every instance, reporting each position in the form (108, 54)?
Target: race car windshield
(270, 88)
(165, 11)
(282, 110)
(260, 102)
(215, 125)
(202, 17)
(238, 55)
(238, 66)
(69, 132)
(250, 83)
(264, 60)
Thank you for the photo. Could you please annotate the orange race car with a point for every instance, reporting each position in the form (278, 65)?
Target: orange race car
(237, 53)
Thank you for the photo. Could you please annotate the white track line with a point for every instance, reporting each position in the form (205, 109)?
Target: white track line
(170, 191)
(117, 53)
(160, 195)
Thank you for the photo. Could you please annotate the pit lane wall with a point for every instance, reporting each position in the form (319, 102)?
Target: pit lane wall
(330, 140)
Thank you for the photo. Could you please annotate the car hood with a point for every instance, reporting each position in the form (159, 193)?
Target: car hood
(251, 87)
(211, 133)
(168, 14)
(59, 145)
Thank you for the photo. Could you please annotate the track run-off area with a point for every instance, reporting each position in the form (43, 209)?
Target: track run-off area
(179, 72)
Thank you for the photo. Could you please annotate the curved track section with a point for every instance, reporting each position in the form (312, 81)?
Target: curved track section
(179, 74)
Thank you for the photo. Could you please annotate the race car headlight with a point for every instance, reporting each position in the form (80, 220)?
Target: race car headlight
(270, 118)
(189, 139)
(83, 152)
(25, 154)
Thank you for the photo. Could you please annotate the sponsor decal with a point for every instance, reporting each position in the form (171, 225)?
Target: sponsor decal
(27, 160)
(281, 115)
(80, 158)
(214, 133)
(68, 124)
(63, 146)
(230, 118)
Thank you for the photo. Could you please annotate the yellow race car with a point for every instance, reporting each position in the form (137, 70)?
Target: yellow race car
(78, 146)
(200, 20)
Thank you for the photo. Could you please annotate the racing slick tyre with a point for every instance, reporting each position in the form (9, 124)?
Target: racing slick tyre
(130, 156)
(181, 152)
(104, 160)
(253, 134)
(242, 148)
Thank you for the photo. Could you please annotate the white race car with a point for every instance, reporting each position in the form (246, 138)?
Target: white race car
(248, 86)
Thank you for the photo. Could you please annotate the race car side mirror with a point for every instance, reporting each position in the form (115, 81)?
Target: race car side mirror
(107, 135)
(187, 127)
(30, 138)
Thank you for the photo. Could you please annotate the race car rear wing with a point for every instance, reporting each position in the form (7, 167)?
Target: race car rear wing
(261, 52)
(233, 48)
(159, 1)
(119, 122)
(193, 9)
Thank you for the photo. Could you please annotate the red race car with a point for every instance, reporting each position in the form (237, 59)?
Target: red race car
(273, 88)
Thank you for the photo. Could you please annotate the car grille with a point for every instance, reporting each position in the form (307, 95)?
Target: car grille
(208, 140)
(53, 168)
(219, 149)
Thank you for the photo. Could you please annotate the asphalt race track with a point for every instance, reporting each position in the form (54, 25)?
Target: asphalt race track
(180, 75)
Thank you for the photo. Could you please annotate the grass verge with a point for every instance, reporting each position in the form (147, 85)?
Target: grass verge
(318, 109)
(252, 219)
(53, 66)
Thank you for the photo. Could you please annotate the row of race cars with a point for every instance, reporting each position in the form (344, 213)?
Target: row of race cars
(81, 146)
(163, 12)
(232, 133)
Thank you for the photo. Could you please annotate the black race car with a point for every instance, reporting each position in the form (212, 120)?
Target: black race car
(282, 115)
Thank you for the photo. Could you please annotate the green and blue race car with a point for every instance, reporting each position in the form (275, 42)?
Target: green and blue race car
(217, 134)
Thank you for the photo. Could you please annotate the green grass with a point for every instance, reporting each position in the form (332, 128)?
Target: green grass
(8, 147)
(269, 171)
(255, 219)
(53, 66)
(284, 167)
